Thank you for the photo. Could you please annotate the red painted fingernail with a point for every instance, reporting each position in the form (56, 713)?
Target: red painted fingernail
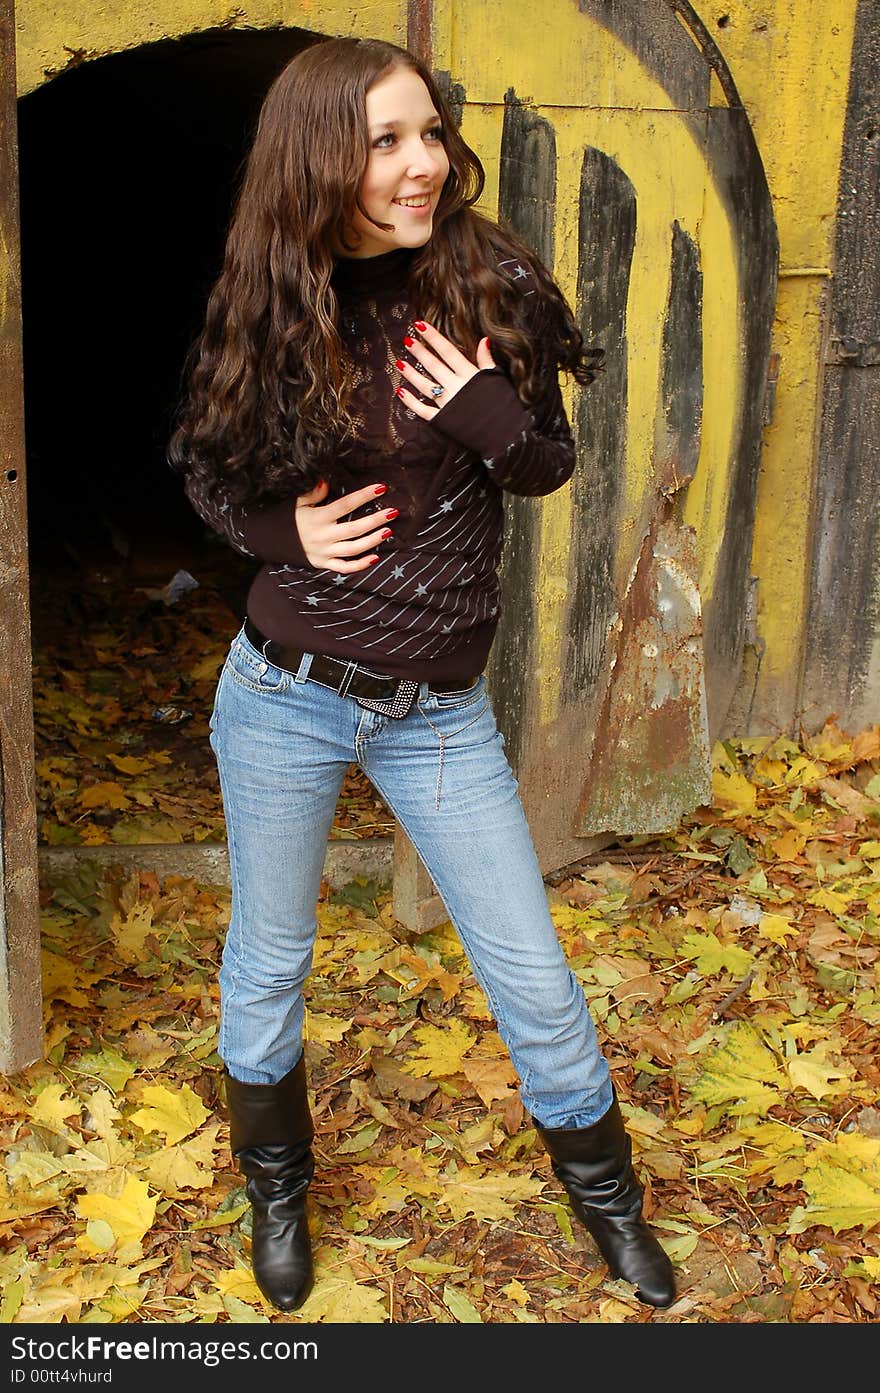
(373, 560)
(399, 365)
(420, 325)
(399, 391)
(392, 513)
(386, 534)
(409, 342)
(381, 488)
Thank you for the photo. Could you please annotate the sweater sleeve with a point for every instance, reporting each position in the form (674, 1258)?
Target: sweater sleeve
(529, 452)
(265, 531)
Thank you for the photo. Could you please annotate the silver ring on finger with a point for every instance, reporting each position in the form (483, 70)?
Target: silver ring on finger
(437, 390)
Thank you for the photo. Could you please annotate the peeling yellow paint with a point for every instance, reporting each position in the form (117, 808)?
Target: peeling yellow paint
(781, 547)
(791, 69)
(50, 37)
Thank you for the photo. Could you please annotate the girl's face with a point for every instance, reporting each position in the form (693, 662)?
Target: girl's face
(407, 167)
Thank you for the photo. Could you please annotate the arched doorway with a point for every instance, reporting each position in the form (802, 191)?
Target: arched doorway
(129, 166)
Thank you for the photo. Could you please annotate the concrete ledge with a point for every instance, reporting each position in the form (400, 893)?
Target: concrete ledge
(372, 857)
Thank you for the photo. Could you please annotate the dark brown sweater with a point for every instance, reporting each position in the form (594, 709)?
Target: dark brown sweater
(429, 607)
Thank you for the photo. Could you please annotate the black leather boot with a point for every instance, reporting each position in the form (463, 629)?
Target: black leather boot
(595, 1166)
(270, 1135)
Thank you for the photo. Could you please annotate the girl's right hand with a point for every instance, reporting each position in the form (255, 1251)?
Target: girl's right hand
(331, 545)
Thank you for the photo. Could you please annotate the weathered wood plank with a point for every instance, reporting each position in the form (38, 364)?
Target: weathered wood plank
(21, 1013)
(842, 667)
(527, 201)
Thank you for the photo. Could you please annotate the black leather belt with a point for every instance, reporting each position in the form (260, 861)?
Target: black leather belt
(348, 679)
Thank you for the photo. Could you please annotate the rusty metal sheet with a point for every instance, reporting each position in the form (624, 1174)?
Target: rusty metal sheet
(650, 758)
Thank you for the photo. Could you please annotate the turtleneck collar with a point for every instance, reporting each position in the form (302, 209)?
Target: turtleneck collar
(388, 273)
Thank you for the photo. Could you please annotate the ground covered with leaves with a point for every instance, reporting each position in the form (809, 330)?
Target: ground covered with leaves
(125, 666)
(732, 969)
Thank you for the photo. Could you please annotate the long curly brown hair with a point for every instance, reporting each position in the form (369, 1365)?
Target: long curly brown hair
(268, 379)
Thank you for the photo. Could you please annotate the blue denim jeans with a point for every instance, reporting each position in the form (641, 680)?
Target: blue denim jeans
(283, 745)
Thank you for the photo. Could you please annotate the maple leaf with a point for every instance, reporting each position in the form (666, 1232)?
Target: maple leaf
(393, 1192)
(34, 1167)
(53, 1106)
(482, 1136)
(515, 1291)
(131, 764)
(147, 831)
(189, 1166)
(866, 744)
(99, 1155)
(239, 1283)
(49, 1304)
(173, 1114)
(21, 1204)
(812, 1071)
(776, 927)
(338, 1298)
(130, 1215)
(131, 930)
(486, 1195)
(148, 1048)
(835, 901)
(208, 668)
(842, 1180)
(491, 1078)
(441, 1050)
(104, 795)
(790, 845)
(713, 956)
(109, 1065)
(60, 981)
(733, 791)
(781, 1151)
(831, 745)
(742, 1071)
(325, 1029)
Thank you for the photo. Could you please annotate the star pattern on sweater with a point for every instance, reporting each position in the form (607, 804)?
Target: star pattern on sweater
(429, 594)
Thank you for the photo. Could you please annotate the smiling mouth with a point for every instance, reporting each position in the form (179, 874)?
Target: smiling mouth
(418, 201)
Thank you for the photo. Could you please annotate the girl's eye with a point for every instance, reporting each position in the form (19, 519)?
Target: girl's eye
(384, 142)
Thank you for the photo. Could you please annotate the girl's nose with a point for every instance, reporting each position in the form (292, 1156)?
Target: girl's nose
(423, 162)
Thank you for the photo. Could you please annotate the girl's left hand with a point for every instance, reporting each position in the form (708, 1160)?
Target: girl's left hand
(445, 367)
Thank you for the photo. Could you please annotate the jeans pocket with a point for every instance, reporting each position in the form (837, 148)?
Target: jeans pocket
(250, 669)
(457, 701)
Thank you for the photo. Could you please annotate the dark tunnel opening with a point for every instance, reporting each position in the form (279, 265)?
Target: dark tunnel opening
(128, 171)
